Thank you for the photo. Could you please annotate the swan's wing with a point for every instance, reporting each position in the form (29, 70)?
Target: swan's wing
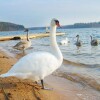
(20, 43)
(39, 64)
(94, 42)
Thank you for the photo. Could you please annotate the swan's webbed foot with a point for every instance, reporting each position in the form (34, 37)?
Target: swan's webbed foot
(45, 88)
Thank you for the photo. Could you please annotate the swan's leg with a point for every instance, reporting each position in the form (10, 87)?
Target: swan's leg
(43, 87)
(23, 52)
(42, 84)
(23, 49)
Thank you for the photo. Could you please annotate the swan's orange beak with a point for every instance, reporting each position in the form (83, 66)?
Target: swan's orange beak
(57, 23)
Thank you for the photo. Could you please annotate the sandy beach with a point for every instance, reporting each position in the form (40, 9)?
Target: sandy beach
(14, 89)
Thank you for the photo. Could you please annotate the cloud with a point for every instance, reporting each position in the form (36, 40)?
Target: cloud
(40, 12)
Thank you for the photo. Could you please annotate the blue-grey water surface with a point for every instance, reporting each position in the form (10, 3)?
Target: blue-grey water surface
(86, 55)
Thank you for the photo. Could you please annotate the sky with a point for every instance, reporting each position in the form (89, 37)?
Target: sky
(36, 13)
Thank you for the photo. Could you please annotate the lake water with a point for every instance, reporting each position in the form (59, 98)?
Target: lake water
(84, 62)
(86, 54)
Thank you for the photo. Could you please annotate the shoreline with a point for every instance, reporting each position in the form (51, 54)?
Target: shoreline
(63, 89)
(16, 89)
(11, 85)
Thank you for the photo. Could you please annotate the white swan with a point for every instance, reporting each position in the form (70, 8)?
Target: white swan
(94, 42)
(65, 41)
(22, 45)
(37, 65)
(78, 42)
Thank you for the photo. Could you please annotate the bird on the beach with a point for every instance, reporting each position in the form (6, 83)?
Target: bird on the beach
(65, 41)
(94, 42)
(37, 65)
(24, 44)
(78, 42)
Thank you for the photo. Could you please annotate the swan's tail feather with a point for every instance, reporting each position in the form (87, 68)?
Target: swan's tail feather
(6, 75)
(18, 75)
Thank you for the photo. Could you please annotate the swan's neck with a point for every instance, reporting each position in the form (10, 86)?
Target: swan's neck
(27, 37)
(91, 38)
(55, 49)
(77, 39)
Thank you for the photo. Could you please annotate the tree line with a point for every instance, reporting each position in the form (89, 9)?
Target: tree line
(83, 25)
(6, 26)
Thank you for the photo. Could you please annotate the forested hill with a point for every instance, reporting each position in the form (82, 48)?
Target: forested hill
(83, 25)
(76, 25)
(6, 26)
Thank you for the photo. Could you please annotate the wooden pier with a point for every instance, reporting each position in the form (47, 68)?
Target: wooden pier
(37, 35)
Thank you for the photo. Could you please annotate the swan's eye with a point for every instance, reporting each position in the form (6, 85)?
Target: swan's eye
(57, 23)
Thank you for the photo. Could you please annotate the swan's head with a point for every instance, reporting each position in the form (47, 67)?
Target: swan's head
(55, 22)
(77, 35)
(26, 30)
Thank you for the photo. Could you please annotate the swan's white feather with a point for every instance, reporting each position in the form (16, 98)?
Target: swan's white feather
(64, 42)
(22, 45)
(37, 65)
(45, 63)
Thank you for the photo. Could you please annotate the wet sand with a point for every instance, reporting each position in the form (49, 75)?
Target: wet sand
(63, 89)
